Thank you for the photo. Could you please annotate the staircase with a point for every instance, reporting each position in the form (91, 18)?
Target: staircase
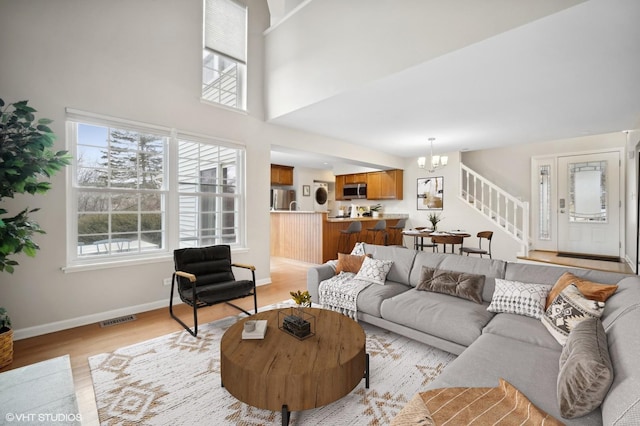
(497, 205)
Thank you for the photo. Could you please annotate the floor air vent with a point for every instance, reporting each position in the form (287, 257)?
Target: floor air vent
(116, 321)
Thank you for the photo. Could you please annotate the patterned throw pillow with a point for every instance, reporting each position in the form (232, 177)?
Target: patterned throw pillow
(458, 284)
(374, 270)
(358, 249)
(568, 309)
(515, 297)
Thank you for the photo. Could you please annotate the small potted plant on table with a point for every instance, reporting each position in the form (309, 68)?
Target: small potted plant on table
(434, 218)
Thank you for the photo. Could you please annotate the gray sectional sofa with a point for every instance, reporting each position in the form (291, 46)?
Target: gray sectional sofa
(492, 346)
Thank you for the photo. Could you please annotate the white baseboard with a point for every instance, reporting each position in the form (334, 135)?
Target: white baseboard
(38, 330)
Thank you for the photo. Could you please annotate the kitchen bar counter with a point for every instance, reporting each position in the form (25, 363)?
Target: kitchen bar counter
(368, 218)
(331, 228)
(313, 236)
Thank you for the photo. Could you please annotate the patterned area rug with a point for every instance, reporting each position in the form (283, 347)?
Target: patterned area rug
(175, 380)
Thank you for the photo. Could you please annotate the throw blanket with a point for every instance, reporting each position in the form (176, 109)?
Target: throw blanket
(502, 405)
(340, 293)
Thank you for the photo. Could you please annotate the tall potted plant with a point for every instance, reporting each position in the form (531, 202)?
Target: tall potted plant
(26, 163)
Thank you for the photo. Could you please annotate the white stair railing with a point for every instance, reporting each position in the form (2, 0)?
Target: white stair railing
(497, 205)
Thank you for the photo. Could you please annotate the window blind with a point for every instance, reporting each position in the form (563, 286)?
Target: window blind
(226, 28)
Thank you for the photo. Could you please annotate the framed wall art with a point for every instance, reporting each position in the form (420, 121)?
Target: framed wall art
(430, 193)
(306, 190)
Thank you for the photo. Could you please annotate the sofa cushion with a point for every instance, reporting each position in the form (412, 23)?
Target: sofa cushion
(622, 403)
(447, 317)
(458, 284)
(349, 263)
(568, 309)
(585, 370)
(542, 274)
(402, 260)
(591, 290)
(370, 299)
(374, 270)
(522, 328)
(515, 297)
(530, 368)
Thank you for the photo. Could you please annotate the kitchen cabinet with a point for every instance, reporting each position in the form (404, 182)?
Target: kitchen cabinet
(385, 185)
(341, 180)
(281, 175)
(355, 178)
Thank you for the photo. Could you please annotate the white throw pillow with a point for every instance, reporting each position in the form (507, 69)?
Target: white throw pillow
(515, 297)
(374, 270)
(358, 249)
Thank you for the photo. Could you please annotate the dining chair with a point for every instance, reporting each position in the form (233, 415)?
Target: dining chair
(447, 239)
(488, 235)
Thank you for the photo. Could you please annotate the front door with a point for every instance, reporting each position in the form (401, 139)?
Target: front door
(589, 204)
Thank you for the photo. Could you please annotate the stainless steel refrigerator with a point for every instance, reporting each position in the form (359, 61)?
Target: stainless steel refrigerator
(281, 199)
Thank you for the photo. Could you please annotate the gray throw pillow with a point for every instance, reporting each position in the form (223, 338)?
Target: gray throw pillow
(586, 372)
(459, 284)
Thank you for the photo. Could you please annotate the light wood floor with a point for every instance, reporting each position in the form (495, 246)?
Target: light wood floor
(601, 265)
(83, 342)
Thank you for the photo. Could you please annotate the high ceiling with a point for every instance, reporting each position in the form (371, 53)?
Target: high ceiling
(573, 73)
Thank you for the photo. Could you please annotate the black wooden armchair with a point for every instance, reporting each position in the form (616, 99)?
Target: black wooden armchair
(204, 277)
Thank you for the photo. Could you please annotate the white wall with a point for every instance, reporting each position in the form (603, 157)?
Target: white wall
(306, 176)
(140, 61)
(510, 168)
(456, 214)
(310, 54)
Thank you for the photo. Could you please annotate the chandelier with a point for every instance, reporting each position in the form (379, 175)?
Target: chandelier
(435, 161)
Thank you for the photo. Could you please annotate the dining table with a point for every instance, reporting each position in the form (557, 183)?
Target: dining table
(420, 234)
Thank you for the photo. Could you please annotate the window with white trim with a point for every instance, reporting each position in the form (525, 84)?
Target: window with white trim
(224, 55)
(138, 191)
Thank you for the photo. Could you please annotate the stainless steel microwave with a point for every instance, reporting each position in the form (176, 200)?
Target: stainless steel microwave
(352, 191)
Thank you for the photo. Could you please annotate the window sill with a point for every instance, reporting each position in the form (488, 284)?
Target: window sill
(120, 263)
(116, 263)
(226, 107)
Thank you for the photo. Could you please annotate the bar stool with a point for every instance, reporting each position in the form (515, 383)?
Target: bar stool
(395, 233)
(344, 241)
(379, 228)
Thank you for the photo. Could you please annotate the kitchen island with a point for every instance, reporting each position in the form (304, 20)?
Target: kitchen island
(313, 236)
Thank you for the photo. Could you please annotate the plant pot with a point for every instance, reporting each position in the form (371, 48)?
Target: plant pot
(6, 347)
(375, 214)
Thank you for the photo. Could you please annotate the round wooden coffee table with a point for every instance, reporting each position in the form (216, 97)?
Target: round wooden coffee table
(281, 372)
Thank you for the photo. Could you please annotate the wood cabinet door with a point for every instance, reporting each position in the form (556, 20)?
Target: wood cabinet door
(286, 176)
(281, 175)
(355, 178)
(339, 187)
(385, 185)
(391, 186)
(373, 185)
